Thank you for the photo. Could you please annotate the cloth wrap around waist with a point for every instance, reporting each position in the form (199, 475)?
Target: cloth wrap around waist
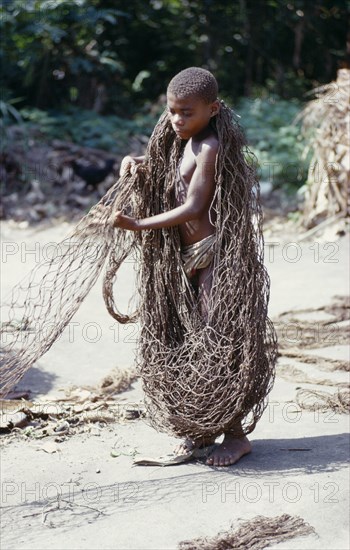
(198, 255)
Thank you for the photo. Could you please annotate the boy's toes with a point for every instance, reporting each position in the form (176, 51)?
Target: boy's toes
(184, 447)
(229, 452)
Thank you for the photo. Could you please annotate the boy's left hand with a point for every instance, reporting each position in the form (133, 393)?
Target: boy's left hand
(125, 222)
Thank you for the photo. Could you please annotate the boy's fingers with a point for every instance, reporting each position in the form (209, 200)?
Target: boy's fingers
(128, 165)
(117, 217)
(124, 167)
(133, 168)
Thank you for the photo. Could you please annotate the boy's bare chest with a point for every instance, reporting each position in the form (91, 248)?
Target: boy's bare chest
(184, 175)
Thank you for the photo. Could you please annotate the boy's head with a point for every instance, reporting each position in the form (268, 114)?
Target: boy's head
(192, 101)
(195, 82)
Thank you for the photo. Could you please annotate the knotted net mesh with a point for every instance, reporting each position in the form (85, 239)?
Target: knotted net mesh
(201, 377)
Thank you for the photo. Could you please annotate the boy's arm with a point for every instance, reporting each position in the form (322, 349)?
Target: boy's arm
(199, 196)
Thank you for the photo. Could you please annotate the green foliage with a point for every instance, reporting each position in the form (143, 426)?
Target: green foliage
(87, 128)
(51, 45)
(268, 124)
(9, 113)
(275, 139)
(62, 52)
(69, 59)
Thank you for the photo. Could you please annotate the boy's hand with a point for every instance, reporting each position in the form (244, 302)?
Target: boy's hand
(125, 222)
(128, 165)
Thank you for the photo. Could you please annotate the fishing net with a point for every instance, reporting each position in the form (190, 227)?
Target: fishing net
(201, 377)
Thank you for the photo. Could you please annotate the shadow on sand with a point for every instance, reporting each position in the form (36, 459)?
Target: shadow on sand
(269, 458)
(37, 381)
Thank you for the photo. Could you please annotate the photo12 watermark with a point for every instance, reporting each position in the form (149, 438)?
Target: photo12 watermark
(252, 492)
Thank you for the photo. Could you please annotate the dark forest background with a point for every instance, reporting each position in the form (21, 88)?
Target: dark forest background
(94, 72)
(115, 55)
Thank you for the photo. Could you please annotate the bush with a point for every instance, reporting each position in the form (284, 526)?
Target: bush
(275, 139)
(87, 128)
(268, 123)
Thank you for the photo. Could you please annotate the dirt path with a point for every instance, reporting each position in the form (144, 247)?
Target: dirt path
(75, 494)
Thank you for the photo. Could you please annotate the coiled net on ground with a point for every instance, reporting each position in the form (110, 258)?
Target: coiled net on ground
(200, 377)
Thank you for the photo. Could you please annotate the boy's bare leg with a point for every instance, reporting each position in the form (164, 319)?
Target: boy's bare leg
(235, 444)
(205, 277)
(202, 282)
(233, 447)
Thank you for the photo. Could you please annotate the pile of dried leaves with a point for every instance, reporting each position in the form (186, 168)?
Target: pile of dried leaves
(80, 410)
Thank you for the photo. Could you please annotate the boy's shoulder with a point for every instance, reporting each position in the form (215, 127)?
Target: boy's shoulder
(206, 147)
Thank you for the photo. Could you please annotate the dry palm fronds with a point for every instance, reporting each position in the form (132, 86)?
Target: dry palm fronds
(76, 411)
(293, 374)
(323, 363)
(322, 401)
(200, 378)
(256, 534)
(311, 334)
(328, 119)
(294, 331)
(118, 380)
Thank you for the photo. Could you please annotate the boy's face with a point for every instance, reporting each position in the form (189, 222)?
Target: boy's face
(190, 115)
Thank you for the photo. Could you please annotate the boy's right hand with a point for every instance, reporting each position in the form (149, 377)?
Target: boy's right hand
(128, 165)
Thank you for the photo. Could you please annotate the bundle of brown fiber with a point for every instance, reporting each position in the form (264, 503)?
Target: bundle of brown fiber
(256, 534)
(326, 129)
(200, 377)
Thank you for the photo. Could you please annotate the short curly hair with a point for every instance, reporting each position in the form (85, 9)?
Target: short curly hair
(194, 81)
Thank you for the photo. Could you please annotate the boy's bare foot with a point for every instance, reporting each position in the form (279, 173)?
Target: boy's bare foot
(230, 451)
(189, 445)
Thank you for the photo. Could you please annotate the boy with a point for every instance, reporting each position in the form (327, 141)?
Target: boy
(192, 217)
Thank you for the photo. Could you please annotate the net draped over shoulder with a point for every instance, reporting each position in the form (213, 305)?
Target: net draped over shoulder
(199, 378)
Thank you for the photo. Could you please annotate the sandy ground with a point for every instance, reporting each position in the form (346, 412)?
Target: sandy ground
(81, 497)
